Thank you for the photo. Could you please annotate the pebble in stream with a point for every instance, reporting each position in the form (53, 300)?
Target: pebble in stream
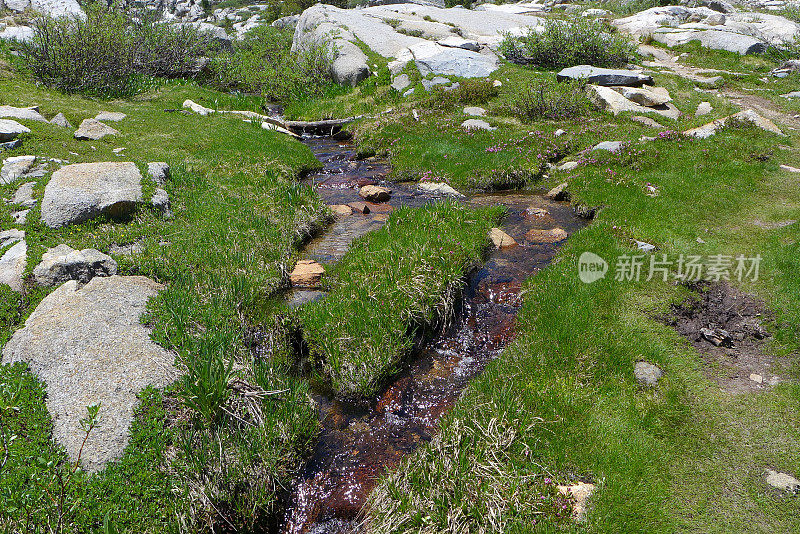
(357, 446)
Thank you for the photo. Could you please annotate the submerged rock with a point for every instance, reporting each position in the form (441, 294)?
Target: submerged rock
(501, 239)
(559, 192)
(537, 236)
(375, 193)
(307, 273)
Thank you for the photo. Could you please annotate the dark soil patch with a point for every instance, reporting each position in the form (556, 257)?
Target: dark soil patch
(727, 327)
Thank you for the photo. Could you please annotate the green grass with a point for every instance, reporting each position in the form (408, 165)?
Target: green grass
(393, 285)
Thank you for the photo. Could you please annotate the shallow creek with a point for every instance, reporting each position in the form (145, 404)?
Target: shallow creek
(357, 445)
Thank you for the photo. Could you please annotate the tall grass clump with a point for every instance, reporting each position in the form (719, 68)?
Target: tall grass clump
(108, 54)
(550, 100)
(264, 62)
(565, 44)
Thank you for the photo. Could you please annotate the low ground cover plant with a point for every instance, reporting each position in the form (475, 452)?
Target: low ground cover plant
(546, 99)
(568, 43)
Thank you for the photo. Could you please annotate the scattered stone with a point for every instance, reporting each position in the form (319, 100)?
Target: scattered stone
(703, 108)
(341, 210)
(477, 124)
(649, 97)
(584, 212)
(559, 192)
(473, 111)
(707, 130)
(646, 247)
(545, 236)
(91, 129)
(559, 133)
(61, 120)
(13, 168)
(9, 237)
(197, 108)
(607, 99)
(10, 145)
(111, 116)
(793, 94)
(89, 346)
(581, 493)
(160, 202)
(359, 207)
(63, 263)
(12, 266)
(438, 80)
(9, 130)
(307, 273)
(24, 195)
(79, 192)
(758, 379)
(409, 93)
(568, 166)
(20, 217)
(29, 114)
(375, 193)
(401, 82)
(789, 168)
(501, 239)
(647, 373)
(610, 146)
(439, 188)
(647, 121)
(118, 151)
(783, 481)
(536, 212)
(159, 172)
(604, 77)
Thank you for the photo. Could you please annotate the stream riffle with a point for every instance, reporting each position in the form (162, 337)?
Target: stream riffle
(357, 445)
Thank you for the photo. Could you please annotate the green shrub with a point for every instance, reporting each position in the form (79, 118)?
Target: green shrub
(470, 92)
(550, 100)
(107, 54)
(264, 63)
(565, 44)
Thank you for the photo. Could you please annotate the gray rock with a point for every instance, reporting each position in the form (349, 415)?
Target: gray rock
(474, 111)
(648, 97)
(454, 41)
(160, 202)
(20, 217)
(783, 481)
(24, 195)
(197, 108)
(9, 130)
(284, 23)
(10, 145)
(53, 8)
(431, 58)
(28, 114)
(703, 108)
(438, 80)
(439, 188)
(159, 172)
(9, 237)
(91, 129)
(477, 124)
(79, 192)
(647, 374)
(647, 121)
(559, 192)
(568, 166)
(604, 77)
(610, 146)
(13, 168)
(401, 82)
(12, 266)
(63, 263)
(793, 94)
(21, 34)
(110, 116)
(607, 99)
(88, 346)
(61, 120)
(127, 250)
(707, 130)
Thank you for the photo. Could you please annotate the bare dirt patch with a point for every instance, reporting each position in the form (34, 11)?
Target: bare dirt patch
(727, 327)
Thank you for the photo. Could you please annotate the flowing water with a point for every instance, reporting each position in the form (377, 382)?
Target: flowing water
(357, 445)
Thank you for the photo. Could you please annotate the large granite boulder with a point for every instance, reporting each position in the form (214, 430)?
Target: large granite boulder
(54, 8)
(9, 130)
(79, 192)
(604, 77)
(88, 346)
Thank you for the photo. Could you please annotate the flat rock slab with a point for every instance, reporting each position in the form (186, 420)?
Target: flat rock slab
(604, 77)
(30, 114)
(477, 124)
(10, 129)
(93, 130)
(88, 346)
(24, 195)
(439, 188)
(62, 263)
(79, 192)
(749, 115)
(307, 273)
(110, 116)
(14, 168)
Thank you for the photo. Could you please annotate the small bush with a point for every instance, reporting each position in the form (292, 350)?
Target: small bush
(550, 100)
(565, 44)
(264, 63)
(107, 54)
(470, 92)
